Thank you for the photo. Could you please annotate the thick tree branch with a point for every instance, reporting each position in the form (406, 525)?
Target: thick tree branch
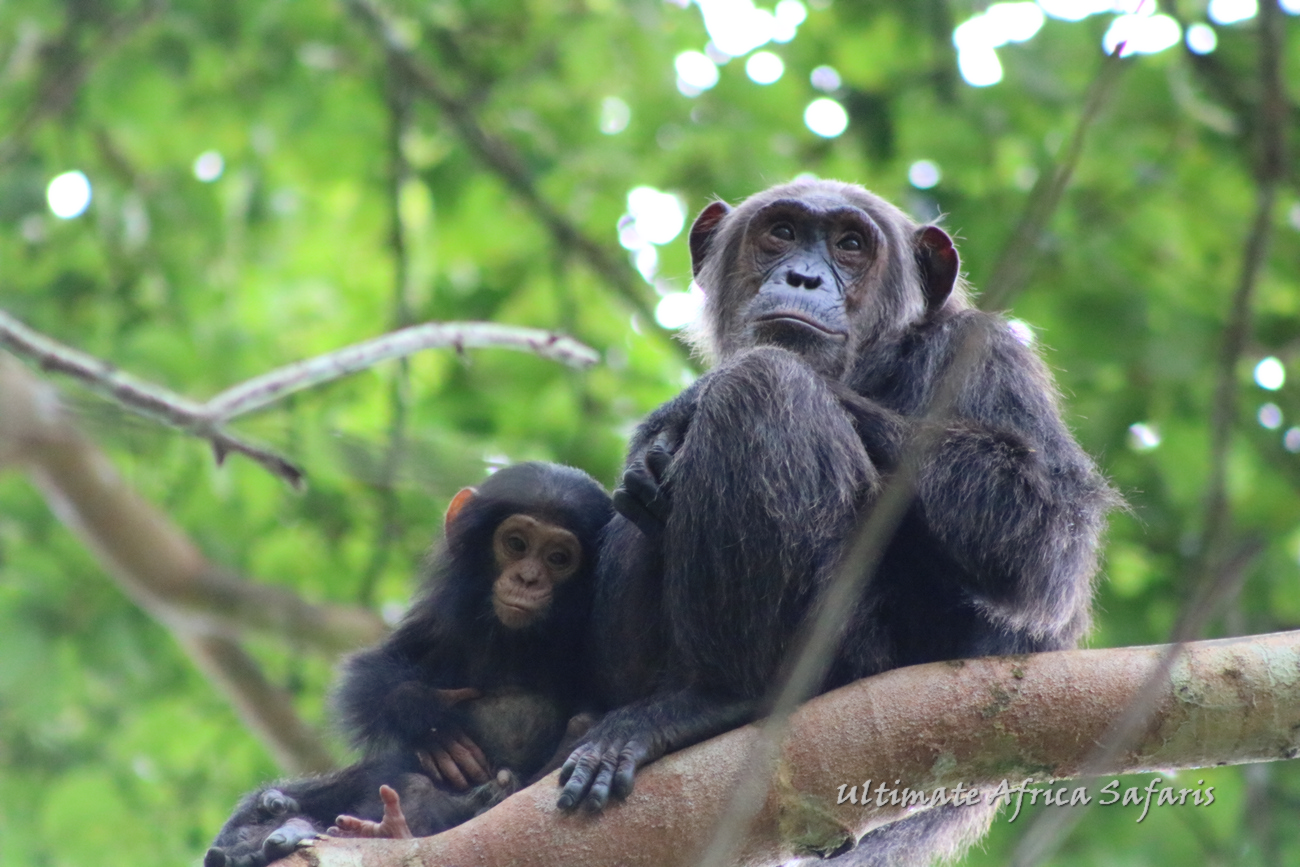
(155, 564)
(975, 722)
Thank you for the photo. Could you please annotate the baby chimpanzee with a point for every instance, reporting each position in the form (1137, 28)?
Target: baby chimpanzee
(483, 681)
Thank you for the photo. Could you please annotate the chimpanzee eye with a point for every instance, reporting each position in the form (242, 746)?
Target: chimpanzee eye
(851, 242)
(558, 559)
(784, 231)
(516, 544)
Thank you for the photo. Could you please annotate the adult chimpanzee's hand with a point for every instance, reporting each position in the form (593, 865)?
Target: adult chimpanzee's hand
(643, 497)
(606, 760)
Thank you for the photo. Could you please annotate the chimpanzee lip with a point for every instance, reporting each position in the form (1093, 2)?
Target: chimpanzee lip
(804, 320)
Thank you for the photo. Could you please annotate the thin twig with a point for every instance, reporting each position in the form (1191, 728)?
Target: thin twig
(1270, 168)
(1012, 269)
(398, 98)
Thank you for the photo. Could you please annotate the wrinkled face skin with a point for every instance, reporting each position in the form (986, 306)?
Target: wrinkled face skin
(817, 267)
(809, 261)
(533, 558)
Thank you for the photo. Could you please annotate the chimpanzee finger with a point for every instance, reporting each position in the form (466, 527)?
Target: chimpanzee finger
(581, 766)
(657, 460)
(471, 763)
(430, 766)
(635, 511)
(451, 773)
(598, 794)
(476, 754)
(632, 757)
(287, 838)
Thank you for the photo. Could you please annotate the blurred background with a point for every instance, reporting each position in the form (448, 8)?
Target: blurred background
(198, 192)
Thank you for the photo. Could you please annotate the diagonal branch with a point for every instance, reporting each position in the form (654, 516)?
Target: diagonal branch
(1013, 266)
(501, 159)
(203, 606)
(66, 67)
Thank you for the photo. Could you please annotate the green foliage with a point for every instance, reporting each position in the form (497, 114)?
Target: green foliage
(114, 749)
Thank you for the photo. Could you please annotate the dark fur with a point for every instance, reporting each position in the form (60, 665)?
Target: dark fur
(270, 823)
(740, 494)
(450, 639)
(532, 680)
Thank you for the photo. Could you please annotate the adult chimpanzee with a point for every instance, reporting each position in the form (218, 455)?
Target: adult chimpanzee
(482, 677)
(834, 317)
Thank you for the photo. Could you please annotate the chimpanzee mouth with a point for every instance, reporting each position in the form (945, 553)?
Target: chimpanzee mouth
(801, 321)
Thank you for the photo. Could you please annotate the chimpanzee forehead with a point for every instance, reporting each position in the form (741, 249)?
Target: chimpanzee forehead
(822, 209)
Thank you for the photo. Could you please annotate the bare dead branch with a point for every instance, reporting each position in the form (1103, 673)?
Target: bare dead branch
(975, 722)
(207, 420)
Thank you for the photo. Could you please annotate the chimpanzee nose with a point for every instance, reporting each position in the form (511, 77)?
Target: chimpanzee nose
(794, 278)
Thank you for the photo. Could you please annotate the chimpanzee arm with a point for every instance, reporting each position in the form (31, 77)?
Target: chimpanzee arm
(606, 760)
(642, 498)
(386, 699)
(1008, 492)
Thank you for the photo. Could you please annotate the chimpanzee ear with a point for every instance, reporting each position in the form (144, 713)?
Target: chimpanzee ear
(939, 264)
(458, 502)
(702, 233)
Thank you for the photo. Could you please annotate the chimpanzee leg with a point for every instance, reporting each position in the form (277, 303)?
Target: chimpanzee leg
(765, 487)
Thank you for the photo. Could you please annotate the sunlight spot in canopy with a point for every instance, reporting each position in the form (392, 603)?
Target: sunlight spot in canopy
(679, 309)
(764, 67)
(1143, 437)
(1290, 7)
(979, 67)
(1021, 331)
(208, 166)
(695, 73)
(976, 38)
(1291, 440)
(1201, 38)
(924, 174)
(1232, 11)
(737, 27)
(789, 15)
(1077, 10)
(1142, 34)
(647, 262)
(615, 115)
(659, 217)
(825, 79)
(1270, 374)
(1270, 416)
(68, 195)
(653, 217)
(826, 117)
